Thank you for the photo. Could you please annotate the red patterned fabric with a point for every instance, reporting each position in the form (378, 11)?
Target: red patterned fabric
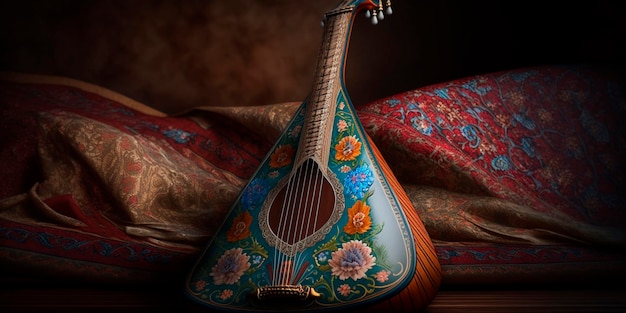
(517, 176)
(535, 154)
(548, 138)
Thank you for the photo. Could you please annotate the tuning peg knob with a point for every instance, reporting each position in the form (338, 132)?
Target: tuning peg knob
(389, 11)
(374, 20)
(381, 16)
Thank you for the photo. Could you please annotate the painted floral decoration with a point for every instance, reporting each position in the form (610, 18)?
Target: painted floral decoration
(348, 148)
(240, 228)
(282, 156)
(359, 220)
(352, 260)
(349, 263)
(254, 195)
(230, 266)
(358, 181)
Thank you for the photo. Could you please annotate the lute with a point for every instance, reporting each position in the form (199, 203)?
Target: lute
(323, 223)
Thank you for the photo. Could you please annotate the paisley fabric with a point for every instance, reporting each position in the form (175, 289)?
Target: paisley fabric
(515, 174)
(104, 188)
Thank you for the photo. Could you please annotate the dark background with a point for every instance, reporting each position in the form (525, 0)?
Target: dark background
(178, 54)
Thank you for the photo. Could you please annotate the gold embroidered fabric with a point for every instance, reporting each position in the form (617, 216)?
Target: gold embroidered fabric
(147, 190)
(271, 119)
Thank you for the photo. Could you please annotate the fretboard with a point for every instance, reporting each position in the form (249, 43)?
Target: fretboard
(328, 81)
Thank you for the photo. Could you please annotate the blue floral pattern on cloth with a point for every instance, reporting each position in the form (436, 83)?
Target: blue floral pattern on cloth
(549, 138)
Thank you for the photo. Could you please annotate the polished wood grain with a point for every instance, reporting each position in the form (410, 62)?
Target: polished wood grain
(563, 300)
(427, 279)
(80, 299)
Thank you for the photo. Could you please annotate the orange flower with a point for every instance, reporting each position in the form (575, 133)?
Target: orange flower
(348, 148)
(240, 228)
(359, 220)
(282, 156)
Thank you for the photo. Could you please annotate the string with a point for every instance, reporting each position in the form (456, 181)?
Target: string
(303, 196)
(316, 200)
(278, 257)
(298, 219)
(294, 212)
(289, 209)
(305, 221)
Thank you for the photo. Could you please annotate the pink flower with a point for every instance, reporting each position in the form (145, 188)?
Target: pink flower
(344, 290)
(382, 276)
(227, 293)
(200, 284)
(230, 267)
(342, 125)
(352, 260)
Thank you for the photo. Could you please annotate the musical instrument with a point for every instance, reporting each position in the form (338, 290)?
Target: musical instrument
(322, 224)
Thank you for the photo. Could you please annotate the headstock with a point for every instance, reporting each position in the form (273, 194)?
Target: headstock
(376, 13)
(374, 9)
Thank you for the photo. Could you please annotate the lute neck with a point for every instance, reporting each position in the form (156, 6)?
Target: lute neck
(327, 84)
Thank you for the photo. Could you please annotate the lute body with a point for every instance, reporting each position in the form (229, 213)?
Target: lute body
(323, 223)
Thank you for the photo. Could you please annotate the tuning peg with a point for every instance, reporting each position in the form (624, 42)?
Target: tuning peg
(368, 14)
(374, 19)
(388, 11)
(381, 16)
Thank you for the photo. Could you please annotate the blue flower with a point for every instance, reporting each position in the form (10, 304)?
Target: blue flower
(473, 86)
(254, 194)
(422, 125)
(257, 259)
(393, 102)
(358, 181)
(178, 135)
(442, 93)
(525, 121)
(501, 163)
(469, 132)
(323, 256)
(528, 147)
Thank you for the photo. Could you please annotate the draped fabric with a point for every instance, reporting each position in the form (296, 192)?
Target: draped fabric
(525, 160)
(522, 156)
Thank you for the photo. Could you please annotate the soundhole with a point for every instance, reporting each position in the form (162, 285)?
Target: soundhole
(303, 205)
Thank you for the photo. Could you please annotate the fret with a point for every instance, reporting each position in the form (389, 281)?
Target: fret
(320, 109)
